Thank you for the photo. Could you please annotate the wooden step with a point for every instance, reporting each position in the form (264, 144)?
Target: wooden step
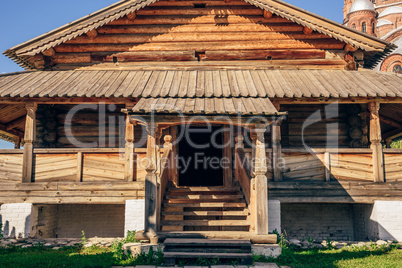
(207, 213)
(189, 201)
(204, 197)
(207, 242)
(206, 205)
(170, 257)
(204, 189)
(205, 223)
(240, 235)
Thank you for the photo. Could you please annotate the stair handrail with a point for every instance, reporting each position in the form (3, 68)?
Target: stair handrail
(165, 168)
(244, 173)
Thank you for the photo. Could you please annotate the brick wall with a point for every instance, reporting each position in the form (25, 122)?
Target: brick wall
(274, 216)
(134, 216)
(364, 228)
(16, 219)
(318, 221)
(95, 220)
(388, 215)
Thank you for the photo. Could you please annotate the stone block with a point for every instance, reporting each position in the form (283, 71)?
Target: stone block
(268, 251)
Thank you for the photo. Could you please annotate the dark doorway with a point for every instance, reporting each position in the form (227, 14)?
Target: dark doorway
(199, 157)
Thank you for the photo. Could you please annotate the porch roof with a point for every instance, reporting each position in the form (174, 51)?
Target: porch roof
(261, 83)
(205, 106)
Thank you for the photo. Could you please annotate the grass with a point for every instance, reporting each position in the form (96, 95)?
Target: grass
(96, 257)
(364, 257)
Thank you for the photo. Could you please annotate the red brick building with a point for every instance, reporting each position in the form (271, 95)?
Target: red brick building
(381, 18)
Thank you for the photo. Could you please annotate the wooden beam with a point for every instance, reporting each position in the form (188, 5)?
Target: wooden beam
(276, 147)
(375, 139)
(92, 34)
(350, 48)
(15, 123)
(307, 30)
(393, 134)
(268, 14)
(79, 166)
(49, 52)
(131, 16)
(17, 143)
(390, 122)
(29, 138)
(12, 132)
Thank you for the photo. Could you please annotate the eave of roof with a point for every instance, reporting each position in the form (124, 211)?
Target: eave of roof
(225, 84)
(124, 7)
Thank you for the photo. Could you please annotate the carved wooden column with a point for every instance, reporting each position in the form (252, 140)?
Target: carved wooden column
(29, 138)
(261, 183)
(151, 180)
(227, 153)
(276, 150)
(375, 139)
(174, 175)
(239, 145)
(130, 172)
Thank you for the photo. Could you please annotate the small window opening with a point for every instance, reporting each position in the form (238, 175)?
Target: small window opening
(199, 5)
(115, 60)
(269, 58)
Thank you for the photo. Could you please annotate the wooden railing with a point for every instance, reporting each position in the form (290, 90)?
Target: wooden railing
(243, 173)
(166, 166)
(393, 165)
(73, 165)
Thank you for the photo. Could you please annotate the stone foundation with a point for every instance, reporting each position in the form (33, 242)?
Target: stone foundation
(274, 216)
(388, 216)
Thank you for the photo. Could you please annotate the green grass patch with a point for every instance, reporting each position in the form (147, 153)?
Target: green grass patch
(364, 257)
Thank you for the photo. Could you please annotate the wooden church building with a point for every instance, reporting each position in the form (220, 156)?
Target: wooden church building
(108, 117)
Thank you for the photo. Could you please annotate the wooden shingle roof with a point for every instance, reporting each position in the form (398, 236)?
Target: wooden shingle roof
(120, 9)
(202, 84)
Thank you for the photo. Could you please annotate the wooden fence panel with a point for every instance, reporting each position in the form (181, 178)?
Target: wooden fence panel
(303, 167)
(55, 167)
(393, 167)
(352, 167)
(10, 167)
(103, 167)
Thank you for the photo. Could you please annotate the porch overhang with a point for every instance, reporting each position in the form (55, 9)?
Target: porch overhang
(246, 112)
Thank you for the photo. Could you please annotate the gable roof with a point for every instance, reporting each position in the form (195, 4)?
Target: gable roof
(120, 9)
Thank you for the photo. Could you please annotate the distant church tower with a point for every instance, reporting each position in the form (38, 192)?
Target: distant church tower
(361, 15)
(380, 18)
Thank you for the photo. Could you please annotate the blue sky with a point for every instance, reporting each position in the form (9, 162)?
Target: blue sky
(25, 19)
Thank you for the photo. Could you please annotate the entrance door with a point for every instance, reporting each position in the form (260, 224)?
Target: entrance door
(200, 155)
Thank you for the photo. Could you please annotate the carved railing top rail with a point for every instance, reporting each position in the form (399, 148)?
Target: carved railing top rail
(244, 173)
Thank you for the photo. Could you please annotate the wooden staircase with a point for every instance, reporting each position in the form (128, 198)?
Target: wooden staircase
(195, 209)
(175, 249)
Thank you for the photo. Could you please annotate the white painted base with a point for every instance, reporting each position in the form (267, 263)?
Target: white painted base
(134, 215)
(16, 220)
(388, 216)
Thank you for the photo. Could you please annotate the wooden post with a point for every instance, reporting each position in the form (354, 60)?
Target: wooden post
(17, 143)
(29, 138)
(375, 139)
(276, 150)
(261, 183)
(129, 174)
(239, 145)
(151, 181)
(79, 166)
(327, 162)
(227, 154)
(174, 176)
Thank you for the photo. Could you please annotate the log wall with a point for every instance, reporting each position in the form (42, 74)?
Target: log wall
(320, 126)
(207, 31)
